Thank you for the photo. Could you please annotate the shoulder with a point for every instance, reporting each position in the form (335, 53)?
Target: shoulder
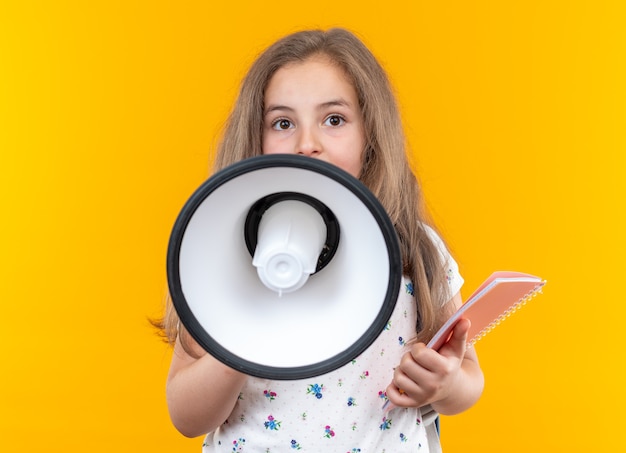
(453, 275)
(435, 237)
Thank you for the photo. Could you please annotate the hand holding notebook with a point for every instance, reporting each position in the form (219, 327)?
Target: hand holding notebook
(495, 300)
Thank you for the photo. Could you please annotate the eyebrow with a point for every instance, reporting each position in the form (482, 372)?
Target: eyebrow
(332, 103)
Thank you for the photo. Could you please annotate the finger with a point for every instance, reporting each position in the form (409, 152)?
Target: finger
(393, 392)
(409, 388)
(420, 361)
(457, 344)
(399, 397)
(416, 350)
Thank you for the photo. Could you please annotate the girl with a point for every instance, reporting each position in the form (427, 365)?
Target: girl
(324, 95)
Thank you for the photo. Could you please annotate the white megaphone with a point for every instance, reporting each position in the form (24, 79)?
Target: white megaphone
(284, 267)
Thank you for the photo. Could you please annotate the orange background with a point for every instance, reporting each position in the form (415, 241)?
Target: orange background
(516, 112)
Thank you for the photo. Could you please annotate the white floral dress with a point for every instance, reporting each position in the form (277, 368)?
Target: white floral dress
(340, 411)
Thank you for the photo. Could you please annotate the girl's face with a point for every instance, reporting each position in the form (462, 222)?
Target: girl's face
(311, 108)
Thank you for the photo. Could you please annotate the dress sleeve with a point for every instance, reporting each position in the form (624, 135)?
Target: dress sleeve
(453, 276)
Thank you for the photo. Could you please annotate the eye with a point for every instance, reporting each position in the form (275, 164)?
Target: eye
(282, 124)
(334, 120)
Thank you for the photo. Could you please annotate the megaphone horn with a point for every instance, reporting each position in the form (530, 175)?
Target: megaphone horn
(272, 251)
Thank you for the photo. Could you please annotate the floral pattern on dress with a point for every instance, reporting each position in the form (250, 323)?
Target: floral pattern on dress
(315, 390)
(271, 396)
(386, 424)
(238, 445)
(272, 424)
(307, 416)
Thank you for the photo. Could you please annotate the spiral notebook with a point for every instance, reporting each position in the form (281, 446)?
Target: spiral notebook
(496, 299)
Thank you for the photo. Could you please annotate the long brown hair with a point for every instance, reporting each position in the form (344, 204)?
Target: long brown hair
(386, 170)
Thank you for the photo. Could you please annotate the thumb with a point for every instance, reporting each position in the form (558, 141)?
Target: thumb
(457, 344)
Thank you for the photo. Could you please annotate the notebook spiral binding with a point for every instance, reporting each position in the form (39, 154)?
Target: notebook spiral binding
(515, 307)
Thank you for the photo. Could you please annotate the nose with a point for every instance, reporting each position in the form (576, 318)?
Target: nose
(308, 143)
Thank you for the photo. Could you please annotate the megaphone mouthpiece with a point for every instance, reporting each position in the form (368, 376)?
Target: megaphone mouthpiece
(291, 237)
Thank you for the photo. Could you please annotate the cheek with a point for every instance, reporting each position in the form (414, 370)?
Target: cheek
(356, 158)
(352, 163)
(267, 146)
(356, 169)
(273, 144)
